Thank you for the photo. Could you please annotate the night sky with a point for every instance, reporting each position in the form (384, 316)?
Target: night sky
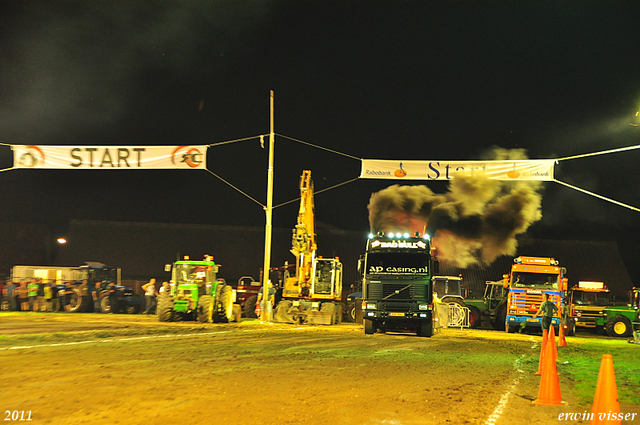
(421, 80)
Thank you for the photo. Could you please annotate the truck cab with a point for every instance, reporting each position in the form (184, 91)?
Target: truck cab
(586, 303)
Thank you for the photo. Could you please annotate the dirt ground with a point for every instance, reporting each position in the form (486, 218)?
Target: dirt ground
(121, 369)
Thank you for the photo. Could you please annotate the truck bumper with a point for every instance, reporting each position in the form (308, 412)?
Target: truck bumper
(530, 321)
(391, 315)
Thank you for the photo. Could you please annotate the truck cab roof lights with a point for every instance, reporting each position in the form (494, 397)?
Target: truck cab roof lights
(591, 285)
(536, 261)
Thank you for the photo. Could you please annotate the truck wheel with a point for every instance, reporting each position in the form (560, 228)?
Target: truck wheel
(75, 304)
(509, 328)
(249, 308)
(369, 327)
(225, 304)
(425, 329)
(619, 326)
(474, 317)
(205, 309)
(164, 309)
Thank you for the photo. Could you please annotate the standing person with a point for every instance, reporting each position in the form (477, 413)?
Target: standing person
(41, 305)
(150, 295)
(268, 305)
(95, 294)
(88, 288)
(32, 293)
(23, 298)
(48, 296)
(62, 297)
(548, 309)
(10, 293)
(113, 298)
(55, 301)
(2, 295)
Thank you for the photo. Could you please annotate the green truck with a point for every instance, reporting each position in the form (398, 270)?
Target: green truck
(195, 293)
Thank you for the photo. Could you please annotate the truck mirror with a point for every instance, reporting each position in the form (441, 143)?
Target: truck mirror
(505, 280)
(565, 283)
(167, 267)
(360, 265)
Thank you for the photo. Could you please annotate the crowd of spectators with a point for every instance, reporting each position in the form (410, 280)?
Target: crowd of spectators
(40, 296)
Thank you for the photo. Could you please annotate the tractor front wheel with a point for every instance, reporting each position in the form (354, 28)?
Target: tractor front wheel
(225, 304)
(205, 309)
(164, 309)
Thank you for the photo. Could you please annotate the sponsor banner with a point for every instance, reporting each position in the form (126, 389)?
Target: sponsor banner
(529, 169)
(110, 157)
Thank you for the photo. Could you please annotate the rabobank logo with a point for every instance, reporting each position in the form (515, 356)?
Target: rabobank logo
(400, 172)
(187, 156)
(385, 173)
(32, 157)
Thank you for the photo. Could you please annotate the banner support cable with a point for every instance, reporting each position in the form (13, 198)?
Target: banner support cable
(598, 196)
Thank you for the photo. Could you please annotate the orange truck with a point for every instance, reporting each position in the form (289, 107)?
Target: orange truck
(530, 278)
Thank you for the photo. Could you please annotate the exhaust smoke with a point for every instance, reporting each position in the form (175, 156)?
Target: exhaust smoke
(476, 220)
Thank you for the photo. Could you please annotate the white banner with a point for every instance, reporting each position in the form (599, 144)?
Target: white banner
(529, 169)
(110, 157)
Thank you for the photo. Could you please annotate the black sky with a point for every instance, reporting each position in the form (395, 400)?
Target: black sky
(373, 79)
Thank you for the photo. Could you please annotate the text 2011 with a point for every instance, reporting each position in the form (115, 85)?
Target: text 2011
(17, 415)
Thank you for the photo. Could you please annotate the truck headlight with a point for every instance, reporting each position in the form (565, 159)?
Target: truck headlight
(370, 306)
(423, 307)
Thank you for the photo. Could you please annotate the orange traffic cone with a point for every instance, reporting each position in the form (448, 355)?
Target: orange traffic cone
(605, 403)
(549, 391)
(552, 342)
(562, 342)
(545, 337)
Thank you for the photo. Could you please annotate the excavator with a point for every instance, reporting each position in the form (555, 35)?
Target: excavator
(314, 294)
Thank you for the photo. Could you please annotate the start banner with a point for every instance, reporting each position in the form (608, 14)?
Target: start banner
(110, 157)
(528, 169)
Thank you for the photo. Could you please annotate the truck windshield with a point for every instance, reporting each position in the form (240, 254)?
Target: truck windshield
(600, 299)
(392, 263)
(534, 280)
(191, 274)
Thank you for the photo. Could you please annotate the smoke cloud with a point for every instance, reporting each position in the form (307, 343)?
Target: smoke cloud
(477, 220)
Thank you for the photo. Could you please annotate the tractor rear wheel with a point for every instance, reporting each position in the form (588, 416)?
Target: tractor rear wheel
(501, 317)
(619, 326)
(75, 304)
(249, 308)
(205, 309)
(474, 317)
(164, 309)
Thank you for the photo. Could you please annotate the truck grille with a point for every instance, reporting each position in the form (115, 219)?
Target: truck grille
(396, 291)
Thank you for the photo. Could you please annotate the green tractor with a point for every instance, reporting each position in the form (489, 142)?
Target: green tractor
(195, 293)
(491, 308)
(618, 320)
